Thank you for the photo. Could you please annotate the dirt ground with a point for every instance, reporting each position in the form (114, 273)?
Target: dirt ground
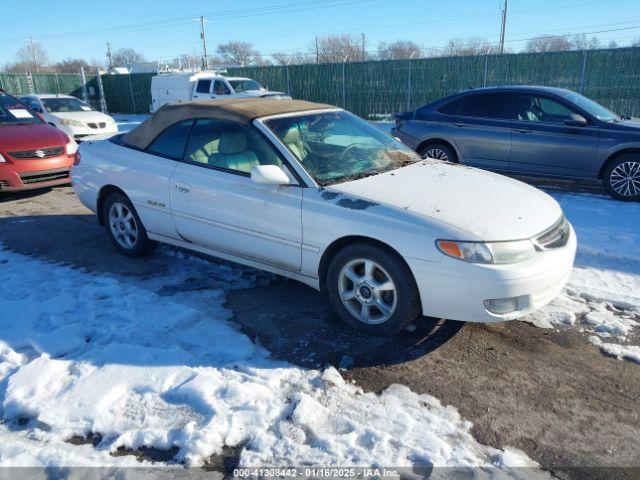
(549, 393)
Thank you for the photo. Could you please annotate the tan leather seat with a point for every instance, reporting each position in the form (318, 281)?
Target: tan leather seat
(205, 153)
(233, 153)
(292, 139)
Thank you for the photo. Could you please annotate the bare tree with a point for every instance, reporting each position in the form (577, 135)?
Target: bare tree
(335, 48)
(71, 65)
(612, 44)
(32, 56)
(127, 56)
(582, 42)
(295, 58)
(237, 53)
(636, 43)
(467, 47)
(398, 50)
(548, 44)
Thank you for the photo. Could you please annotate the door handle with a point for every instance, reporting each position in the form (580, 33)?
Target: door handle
(523, 130)
(459, 124)
(182, 187)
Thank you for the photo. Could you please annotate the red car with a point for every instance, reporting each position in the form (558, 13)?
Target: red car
(33, 154)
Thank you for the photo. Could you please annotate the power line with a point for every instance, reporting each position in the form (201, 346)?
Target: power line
(179, 21)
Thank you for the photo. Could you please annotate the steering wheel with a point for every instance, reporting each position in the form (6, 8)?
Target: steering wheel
(347, 150)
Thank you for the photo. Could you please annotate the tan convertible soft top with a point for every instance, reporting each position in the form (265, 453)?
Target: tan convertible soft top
(243, 110)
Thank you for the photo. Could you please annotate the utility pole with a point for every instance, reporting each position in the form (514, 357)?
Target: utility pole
(33, 54)
(317, 52)
(363, 37)
(205, 60)
(109, 55)
(503, 27)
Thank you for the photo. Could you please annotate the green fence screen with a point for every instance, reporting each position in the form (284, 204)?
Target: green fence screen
(611, 77)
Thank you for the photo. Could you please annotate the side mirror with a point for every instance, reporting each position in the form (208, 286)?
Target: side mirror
(576, 120)
(269, 175)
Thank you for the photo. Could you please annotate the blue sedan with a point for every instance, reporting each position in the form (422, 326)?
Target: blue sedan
(531, 131)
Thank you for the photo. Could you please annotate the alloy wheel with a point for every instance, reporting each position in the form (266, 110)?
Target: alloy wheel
(367, 291)
(625, 179)
(437, 154)
(123, 225)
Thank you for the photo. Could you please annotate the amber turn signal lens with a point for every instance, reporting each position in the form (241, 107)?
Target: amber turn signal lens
(450, 248)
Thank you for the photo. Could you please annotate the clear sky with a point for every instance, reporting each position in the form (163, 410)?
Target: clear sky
(163, 29)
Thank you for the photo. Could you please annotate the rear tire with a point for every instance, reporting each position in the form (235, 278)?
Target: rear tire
(372, 290)
(439, 151)
(124, 228)
(621, 178)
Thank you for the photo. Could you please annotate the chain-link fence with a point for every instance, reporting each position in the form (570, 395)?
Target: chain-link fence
(611, 77)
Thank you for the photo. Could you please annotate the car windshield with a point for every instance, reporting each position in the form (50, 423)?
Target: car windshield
(59, 105)
(337, 146)
(244, 85)
(12, 112)
(592, 108)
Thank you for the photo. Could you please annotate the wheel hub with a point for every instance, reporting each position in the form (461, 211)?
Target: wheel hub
(365, 292)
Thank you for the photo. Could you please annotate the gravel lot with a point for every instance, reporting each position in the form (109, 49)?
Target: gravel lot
(548, 392)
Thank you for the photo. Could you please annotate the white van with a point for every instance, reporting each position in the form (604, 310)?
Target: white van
(182, 87)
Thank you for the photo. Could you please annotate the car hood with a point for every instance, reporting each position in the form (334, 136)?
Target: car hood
(488, 206)
(91, 116)
(30, 137)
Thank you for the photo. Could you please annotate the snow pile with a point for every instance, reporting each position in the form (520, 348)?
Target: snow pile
(620, 351)
(156, 363)
(603, 292)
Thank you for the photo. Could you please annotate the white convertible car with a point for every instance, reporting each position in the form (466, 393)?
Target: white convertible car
(314, 193)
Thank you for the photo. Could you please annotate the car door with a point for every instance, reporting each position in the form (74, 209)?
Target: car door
(549, 139)
(216, 205)
(481, 129)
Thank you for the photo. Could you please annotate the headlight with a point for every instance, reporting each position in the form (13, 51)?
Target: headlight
(71, 123)
(2, 160)
(512, 252)
(488, 252)
(71, 147)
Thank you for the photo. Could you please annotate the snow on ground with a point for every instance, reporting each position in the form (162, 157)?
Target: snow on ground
(602, 296)
(156, 362)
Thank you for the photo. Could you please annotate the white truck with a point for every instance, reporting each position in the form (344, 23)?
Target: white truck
(182, 87)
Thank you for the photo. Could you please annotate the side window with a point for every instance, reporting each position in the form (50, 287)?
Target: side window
(172, 140)
(220, 88)
(453, 107)
(204, 86)
(229, 145)
(532, 108)
(485, 105)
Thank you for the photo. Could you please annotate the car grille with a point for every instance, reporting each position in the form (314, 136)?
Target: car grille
(44, 176)
(3, 184)
(555, 237)
(38, 153)
(97, 125)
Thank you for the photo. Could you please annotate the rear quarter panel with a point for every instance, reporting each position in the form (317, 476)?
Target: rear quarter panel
(417, 132)
(144, 178)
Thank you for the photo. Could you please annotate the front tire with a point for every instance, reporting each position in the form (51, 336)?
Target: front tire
(124, 228)
(621, 178)
(372, 290)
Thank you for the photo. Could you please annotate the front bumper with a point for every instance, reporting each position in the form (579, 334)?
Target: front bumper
(78, 133)
(456, 290)
(16, 175)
